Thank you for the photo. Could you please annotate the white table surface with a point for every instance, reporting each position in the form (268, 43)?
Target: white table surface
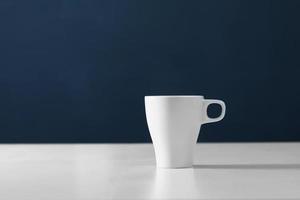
(127, 171)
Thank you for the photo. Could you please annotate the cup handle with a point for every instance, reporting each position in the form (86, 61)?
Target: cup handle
(206, 103)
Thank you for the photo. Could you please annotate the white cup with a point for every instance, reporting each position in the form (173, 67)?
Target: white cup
(174, 123)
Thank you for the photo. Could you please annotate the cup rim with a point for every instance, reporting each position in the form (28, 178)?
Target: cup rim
(174, 96)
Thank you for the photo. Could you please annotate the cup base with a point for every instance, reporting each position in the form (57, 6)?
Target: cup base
(185, 167)
(174, 166)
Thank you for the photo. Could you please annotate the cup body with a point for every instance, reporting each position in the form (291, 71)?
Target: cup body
(174, 123)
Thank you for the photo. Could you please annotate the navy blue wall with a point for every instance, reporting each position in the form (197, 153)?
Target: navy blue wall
(77, 70)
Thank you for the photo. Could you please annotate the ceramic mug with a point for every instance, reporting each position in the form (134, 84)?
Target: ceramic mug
(174, 123)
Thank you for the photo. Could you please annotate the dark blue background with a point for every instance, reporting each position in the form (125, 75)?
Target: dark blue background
(77, 70)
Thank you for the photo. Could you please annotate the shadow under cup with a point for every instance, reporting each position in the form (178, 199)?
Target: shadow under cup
(174, 123)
